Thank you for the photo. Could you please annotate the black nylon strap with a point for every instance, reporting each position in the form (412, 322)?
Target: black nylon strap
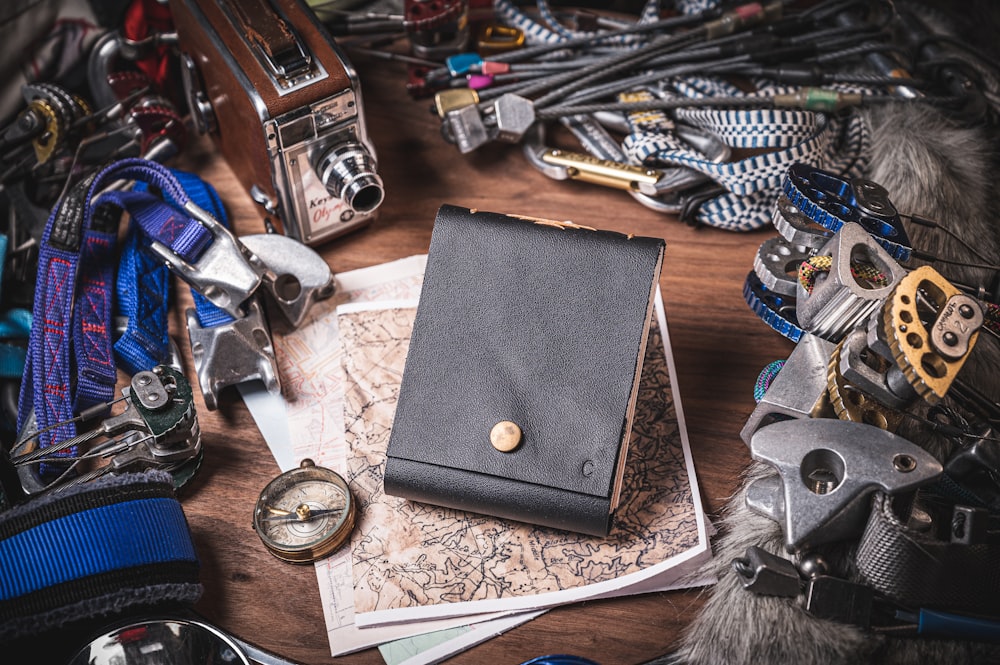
(918, 570)
(149, 587)
(48, 507)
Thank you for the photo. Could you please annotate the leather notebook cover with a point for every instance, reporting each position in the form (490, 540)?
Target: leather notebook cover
(536, 323)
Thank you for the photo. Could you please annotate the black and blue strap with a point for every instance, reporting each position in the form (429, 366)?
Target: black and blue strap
(118, 544)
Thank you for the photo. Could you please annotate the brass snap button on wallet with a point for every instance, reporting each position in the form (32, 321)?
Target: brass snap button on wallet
(505, 436)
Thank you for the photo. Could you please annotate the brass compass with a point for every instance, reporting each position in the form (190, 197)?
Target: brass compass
(305, 514)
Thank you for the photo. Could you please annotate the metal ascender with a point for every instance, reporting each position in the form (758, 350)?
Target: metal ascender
(848, 234)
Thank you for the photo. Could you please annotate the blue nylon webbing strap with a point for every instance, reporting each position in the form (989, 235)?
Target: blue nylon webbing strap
(207, 198)
(119, 544)
(163, 222)
(145, 341)
(74, 249)
(143, 286)
(142, 290)
(95, 541)
(140, 170)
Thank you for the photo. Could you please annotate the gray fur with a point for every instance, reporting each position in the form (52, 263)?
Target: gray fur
(942, 172)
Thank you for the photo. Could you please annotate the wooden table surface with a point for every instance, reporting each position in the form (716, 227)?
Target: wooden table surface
(719, 346)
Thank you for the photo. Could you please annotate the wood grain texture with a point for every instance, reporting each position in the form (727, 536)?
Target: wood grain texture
(718, 343)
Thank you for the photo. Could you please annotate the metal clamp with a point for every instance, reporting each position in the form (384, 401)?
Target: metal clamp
(226, 273)
(827, 469)
(233, 353)
(297, 276)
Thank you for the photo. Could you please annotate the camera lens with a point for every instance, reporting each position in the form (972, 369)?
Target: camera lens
(348, 172)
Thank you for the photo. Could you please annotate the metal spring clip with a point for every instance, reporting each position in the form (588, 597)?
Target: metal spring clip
(158, 429)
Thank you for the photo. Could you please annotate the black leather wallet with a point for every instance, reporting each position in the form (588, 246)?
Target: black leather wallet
(523, 367)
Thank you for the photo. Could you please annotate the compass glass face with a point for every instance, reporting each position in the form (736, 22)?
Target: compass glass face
(304, 514)
(304, 499)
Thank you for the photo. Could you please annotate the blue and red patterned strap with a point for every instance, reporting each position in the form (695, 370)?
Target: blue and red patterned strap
(45, 384)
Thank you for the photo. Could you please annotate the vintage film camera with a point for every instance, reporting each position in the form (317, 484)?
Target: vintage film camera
(265, 79)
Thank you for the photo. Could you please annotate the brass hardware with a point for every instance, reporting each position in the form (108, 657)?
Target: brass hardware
(855, 405)
(495, 38)
(305, 514)
(454, 99)
(927, 355)
(505, 436)
(603, 171)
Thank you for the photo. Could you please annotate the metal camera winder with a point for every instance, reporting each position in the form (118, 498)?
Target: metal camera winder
(271, 87)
